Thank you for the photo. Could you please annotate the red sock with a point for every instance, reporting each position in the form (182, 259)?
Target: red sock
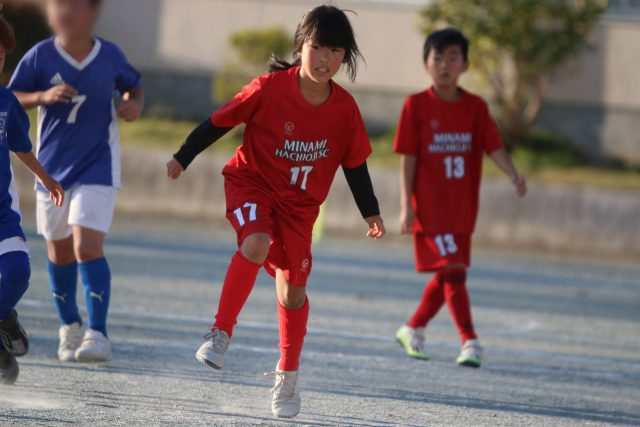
(431, 302)
(455, 291)
(241, 276)
(293, 328)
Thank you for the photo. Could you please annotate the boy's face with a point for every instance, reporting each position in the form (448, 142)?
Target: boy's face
(321, 63)
(445, 67)
(3, 56)
(72, 18)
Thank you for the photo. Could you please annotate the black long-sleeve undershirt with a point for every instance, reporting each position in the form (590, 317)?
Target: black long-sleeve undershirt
(358, 178)
(201, 138)
(361, 187)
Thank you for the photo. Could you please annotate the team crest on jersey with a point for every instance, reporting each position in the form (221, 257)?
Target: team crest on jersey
(435, 124)
(56, 80)
(305, 265)
(289, 127)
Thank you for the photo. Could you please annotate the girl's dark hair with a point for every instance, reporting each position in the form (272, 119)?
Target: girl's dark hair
(327, 26)
(7, 36)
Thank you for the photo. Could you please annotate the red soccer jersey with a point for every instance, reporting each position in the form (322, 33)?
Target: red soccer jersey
(291, 148)
(448, 139)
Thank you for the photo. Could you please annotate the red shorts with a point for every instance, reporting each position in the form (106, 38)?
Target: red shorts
(436, 251)
(250, 211)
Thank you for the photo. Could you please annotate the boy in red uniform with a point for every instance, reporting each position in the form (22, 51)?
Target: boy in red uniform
(300, 128)
(441, 138)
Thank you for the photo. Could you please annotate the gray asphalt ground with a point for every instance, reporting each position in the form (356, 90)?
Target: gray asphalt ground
(562, 342)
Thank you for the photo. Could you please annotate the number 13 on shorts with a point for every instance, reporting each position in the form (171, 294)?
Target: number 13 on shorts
(446, 244)
(252, 209)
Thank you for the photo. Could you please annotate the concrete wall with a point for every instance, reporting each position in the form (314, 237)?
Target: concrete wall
(593, 100)
(563, 219)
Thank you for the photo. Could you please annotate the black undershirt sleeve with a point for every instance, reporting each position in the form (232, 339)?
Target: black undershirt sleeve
(361, 186)
(199, 140)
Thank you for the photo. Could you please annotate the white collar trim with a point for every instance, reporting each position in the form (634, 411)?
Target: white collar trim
(80, 65)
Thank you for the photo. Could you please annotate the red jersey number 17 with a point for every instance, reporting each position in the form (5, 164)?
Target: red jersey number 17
(300, 175)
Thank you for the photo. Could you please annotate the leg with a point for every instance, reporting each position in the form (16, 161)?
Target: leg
(63, 279)
(293, 314)
(14, 281)
(240, 278)
(53, 225)
(430, 304)
(95, 273)
(455, 290)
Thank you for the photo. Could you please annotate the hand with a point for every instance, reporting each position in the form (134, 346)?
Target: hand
(174, 169)
(55, 190)
(130, 109)
(407, 218)
(59, 94)
(376, 227)
(521, 185)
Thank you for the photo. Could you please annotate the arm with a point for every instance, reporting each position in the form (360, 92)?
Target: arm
(408, 166)
(502, 159)
(54, 188)
(198, 140)
(60, 94)
(361, 187)
(132, 104)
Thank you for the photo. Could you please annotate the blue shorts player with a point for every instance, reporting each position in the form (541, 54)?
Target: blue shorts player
(72, 78)
(14, 253)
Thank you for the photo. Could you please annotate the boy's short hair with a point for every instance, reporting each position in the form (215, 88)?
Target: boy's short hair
(7, 36)
(441, 39)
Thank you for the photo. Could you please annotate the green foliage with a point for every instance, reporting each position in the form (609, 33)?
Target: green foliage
(516, 45)
(252, 50)
(30, 26)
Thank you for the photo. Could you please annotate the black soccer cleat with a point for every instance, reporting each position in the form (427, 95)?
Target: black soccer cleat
(9, 369)
(14, 338)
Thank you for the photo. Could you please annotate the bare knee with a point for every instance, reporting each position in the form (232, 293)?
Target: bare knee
(256, 247)
(85, 251)
(292, 297)
(61, 252)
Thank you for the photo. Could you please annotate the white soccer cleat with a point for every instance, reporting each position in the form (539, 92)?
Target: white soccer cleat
(70, 340)
(471, 354)
(412, 340)
(286, 397)
(214, 349)
(95, 347)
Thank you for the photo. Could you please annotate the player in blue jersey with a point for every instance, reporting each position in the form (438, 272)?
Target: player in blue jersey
(14, 253)
(72, 78)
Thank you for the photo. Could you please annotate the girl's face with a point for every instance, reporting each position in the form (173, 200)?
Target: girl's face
(446, 67)
(72, 18)
(321, 63)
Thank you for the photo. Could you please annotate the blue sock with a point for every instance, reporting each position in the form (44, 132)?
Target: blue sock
(15, 271)
(96, 278)
(64, 284)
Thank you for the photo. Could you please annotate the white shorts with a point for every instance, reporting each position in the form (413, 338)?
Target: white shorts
(89, 206)
(13, 244)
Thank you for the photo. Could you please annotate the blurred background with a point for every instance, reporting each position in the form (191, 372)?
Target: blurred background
(561, 78)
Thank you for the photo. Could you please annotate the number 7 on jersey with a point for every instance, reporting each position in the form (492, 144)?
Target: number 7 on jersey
(77, 102)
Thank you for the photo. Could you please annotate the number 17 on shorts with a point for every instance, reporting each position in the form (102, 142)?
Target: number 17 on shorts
(247, 213)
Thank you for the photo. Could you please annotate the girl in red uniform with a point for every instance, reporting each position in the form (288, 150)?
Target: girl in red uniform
(442, 135)
(300, 128)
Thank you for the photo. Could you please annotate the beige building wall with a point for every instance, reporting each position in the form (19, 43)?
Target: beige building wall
(594, 99)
